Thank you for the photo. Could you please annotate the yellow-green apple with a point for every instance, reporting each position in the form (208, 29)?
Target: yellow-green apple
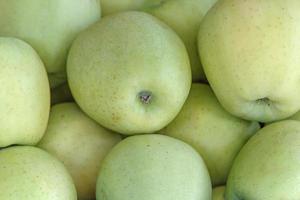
(24, 94)
(61, 94)
(80, 143)
(129, 72)
(183, 16)
(29, 173)
(49, 26)
(296, 116)
(109, 7)
(267, 167)
(250, 53)
(218, 193)
(153, 167)
(217, 135)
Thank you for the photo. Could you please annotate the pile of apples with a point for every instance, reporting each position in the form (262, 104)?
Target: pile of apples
(149, 99)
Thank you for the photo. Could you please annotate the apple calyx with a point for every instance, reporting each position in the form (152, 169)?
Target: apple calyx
(264, 100)
(145, 96)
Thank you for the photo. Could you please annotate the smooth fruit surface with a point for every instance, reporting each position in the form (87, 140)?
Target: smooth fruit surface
(49, 26)
(130, 73)
(80, 143)
(267, 167)
(29, 173)
(218, 193)
(153, 167)
(24, 94)
(217, 135)
(183, 16)
(250, 54)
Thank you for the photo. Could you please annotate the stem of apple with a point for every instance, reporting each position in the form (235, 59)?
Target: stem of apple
(145, 96)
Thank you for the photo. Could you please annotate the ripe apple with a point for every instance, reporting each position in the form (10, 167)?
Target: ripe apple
(29, 173)
(296, 116)
(267, 167)
(24, 94)
(49, 26)
(153, 167)
(109, 7)
(250, 53)
(129, 72)
(80, 143)
(217, 135)
(183, 16)
(218, 193)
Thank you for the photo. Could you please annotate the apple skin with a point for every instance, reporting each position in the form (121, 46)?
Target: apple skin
(49, 26)
(116, 64)
(267, 167)
(109, 7)
(250, 54)
(153, 167)
(24, 94)
(218, 193)
(29, 173)
(80, 143)
(296, 116)
(217, 135)
(183, 16)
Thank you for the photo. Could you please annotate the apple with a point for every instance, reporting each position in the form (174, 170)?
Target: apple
(267, 167)
(129, 72)
(250, 54)
(217, 135)
(109, 7)
(49, 26)
(218, 193)
(183, 16)
(153, 167)
(80, 143)
(24, 94)
(61, 94)
(29, 173)
(296, 116)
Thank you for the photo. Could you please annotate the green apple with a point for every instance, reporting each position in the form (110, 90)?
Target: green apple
(183, 16)
(49, 26)
(296, 116)
(267, 167)
(129, 72)
(218, 193)
(24, 94)
(29, 173)
(250, 53)
(213, 132)
(153, 167)
(61, 94)
(80, 143)
(109, 7)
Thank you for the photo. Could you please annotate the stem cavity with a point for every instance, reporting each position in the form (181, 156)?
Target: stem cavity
(145, 96)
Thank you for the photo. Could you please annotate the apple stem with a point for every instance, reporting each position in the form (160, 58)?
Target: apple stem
(145, 96)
